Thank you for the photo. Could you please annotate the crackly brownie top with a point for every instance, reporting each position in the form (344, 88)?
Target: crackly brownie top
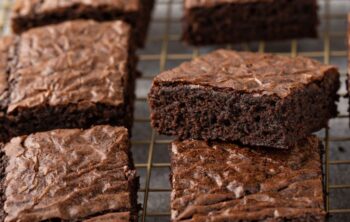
(73, 62)
(261, 74)
(210, 3)
(33, 7)
(225, 182)
(112, 217)
(68, 174)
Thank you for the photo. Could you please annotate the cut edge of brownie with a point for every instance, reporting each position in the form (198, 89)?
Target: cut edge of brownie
(139, 20)
(197, 32)
(144, 23)
(185, 114)
(3, 131)
(306, 217)
(3, 163)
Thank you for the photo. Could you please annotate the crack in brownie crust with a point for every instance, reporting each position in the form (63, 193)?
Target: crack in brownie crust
(71, 175)
(232, 21)
(257, 99)
(227, 182)
(71, 75)
(33, 13)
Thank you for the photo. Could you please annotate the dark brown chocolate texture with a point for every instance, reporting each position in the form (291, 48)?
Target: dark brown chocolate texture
(72, 75)
(226, 182)
(256, 99)
(69, 175)
(233, 21)
(33, 13)
(348, 81)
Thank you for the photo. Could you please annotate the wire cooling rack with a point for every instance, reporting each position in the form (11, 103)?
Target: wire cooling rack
(164, 51)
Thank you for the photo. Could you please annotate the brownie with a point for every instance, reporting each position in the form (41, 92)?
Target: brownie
(348, 80)
(256, 99)
(227, 182)
(223, 21)
(3, 162)
(112, 217)
(33, 13)
(71, 75)
(69, 175)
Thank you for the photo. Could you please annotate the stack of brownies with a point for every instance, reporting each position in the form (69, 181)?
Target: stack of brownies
(244, 122)
(71, 67)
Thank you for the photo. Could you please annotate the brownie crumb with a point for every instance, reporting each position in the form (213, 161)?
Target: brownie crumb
(252, 98)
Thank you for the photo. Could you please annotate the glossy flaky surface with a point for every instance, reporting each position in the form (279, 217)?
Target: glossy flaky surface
(69, 174)
(226, 182)
(261, 74)
(30, 7)
(78, 62)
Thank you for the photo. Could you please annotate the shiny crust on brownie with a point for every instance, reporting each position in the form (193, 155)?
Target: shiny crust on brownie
(111, 217)
(227, 182)
(29, 7)
(262, 74)
(69, 174)
(79, 62)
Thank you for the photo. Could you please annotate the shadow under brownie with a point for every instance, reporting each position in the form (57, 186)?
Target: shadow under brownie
(222, 21)
(256, 99)
(32, 13)
(72, 75)
(69, 175)
(228, 182)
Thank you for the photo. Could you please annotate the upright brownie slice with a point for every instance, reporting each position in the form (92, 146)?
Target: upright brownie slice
(69, 175)
(32, 13)
(227, 182)
(72, 75)
(257, 99)
(232, 21)
(348, 81)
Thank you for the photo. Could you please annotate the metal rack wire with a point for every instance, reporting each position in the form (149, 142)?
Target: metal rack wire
(146, 142)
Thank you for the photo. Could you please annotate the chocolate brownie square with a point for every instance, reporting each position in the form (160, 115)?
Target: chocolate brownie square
(256, 99)
(69, 175)
(32, 13)
(222, 21)
(71, 75)
(228, 182)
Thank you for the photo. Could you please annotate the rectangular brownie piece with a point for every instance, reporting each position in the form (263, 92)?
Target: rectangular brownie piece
(348, 37)
(71, 75)
(227, 182)
(222, 21)
(256, 99)
(32, 13)
(69, 175)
